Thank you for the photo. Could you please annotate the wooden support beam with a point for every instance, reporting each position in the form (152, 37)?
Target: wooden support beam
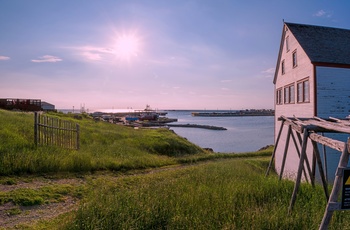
(307, 162)
(36, 128)
(331, 126)
(320, 168)
(343, 162)
(301, 165)
(331, 143)
(325, 160)
(285, 151)
(274, 150)
(296, 126)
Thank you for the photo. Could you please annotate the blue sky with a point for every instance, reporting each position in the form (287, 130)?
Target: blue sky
(169, 54)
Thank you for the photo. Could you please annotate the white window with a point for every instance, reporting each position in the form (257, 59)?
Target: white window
(289, 94)
(303, 91)
(287, 43)
(295, 63)
(292, 94)
(279, 96)
(282, 69)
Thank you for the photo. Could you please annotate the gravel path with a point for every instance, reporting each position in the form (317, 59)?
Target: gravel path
(12, 216)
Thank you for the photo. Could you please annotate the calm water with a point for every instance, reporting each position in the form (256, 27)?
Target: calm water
(243, 134)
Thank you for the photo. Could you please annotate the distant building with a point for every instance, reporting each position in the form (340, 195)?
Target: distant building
(20, 104)
(25, 104)
(312, 78)
(47, 106)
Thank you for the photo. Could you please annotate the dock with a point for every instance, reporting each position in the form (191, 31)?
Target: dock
(197, 126)
(240, 113)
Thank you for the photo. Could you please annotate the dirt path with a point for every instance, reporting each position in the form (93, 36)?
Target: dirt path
(13, 216)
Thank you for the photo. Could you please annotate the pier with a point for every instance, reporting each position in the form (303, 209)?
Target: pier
(197, 126)
(240, 113)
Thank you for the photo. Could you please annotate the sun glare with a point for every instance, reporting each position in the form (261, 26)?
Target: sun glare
(127, 46)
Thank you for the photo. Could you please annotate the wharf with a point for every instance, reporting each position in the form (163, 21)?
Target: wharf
(165, 122)
(240, 113)
(197, 126)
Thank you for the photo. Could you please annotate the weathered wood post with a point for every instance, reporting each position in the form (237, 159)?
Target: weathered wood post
(325, 160)
(300, 169)
(333, 199)
(306, 160)
(36, 128)
(285, 151)
(78, 136)
(274, 149)
(320, 168)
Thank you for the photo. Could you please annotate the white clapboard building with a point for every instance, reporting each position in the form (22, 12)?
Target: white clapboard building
(312, 78)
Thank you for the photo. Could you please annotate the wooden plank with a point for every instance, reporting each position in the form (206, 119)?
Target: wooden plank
(306, 160)
(301, 165)
(36, 128)
(274, 150)
(320, 168)
(341, 121)
(334, 206)
(331, 126)
(325, 159)
(296, 126)
(331, 143)
(285, 151)
(78, 137)
(343, 162)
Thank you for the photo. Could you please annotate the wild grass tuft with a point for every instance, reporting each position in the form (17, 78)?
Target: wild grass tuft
(42, 195)
(230, 194)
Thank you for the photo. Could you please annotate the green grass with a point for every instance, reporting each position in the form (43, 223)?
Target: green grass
(42, 195)
(226, 194)
(104, 146)
(219, 191)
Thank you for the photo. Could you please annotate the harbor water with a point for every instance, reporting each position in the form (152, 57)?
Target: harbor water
(243, 134)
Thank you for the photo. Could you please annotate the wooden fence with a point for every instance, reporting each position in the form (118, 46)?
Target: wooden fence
(54, 131)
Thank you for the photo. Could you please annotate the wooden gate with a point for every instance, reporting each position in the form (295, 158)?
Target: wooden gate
(55, 131)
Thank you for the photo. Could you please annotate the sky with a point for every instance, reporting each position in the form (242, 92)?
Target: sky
(183, 54)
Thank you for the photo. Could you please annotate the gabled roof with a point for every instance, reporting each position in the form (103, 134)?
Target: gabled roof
(323, 45)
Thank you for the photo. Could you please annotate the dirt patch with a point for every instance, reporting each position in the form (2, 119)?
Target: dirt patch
(13, 215)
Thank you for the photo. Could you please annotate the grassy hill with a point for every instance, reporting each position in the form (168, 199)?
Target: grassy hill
(125, 178)
(103, 146)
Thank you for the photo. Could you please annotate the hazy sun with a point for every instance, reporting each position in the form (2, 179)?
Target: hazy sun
(127, 46)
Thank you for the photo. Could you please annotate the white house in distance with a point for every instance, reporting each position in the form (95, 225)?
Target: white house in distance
(312, 78)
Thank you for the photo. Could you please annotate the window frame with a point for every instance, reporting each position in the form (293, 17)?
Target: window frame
(283, 67)
(279, 97)
(303, 86)
(294, 59)
(289, 94)
(287, 44)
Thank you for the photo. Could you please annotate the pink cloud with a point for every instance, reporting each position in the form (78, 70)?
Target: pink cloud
(47, 58)
(4, 58)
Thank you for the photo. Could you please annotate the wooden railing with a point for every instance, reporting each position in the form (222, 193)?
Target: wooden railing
(55, 131)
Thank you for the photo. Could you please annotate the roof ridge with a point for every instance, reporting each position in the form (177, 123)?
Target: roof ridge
(326, 27)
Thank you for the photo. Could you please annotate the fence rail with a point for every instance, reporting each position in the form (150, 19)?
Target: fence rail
(55, 131)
